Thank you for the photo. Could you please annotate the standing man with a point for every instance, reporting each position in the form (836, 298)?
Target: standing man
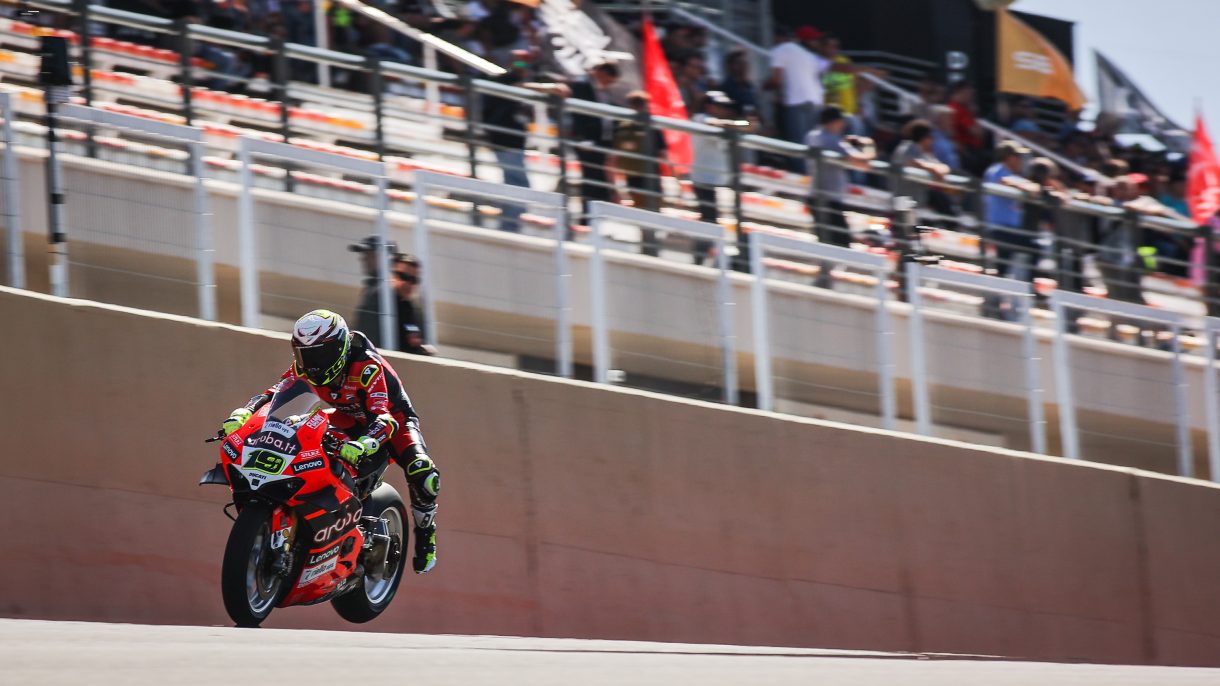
(712, 167)
(594, 135)
(1004, 218)
(830, 180)
(796, 70)
(504, 130)
(412, 328)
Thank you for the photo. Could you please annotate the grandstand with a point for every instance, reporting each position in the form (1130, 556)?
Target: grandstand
(830, 333)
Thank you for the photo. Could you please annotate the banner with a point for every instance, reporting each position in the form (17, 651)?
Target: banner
(1028, 64)
(1119, 96)
(1203, 179)
(580, 34)
(666, 98)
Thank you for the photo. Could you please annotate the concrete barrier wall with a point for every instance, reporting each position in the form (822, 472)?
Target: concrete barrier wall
(575, 510)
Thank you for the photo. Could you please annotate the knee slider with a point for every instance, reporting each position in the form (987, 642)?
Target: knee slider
(420, 465)
(423, 472)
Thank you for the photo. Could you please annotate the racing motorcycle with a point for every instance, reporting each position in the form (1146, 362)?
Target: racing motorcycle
(309, 527)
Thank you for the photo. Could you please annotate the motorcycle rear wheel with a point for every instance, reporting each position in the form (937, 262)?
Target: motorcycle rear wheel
(248, 584)
(374, 594)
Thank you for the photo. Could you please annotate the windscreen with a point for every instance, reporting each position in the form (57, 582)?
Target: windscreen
(294, 398)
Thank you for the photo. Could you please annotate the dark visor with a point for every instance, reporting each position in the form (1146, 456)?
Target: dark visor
(316, 360)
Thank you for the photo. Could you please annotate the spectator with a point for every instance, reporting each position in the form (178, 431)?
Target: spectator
(594, 134)
(679, 41)
(506, 121)
(1038, 221)
(412, 329)
(710, 168)
(1160, 251)
(1118, 258)
(368, 311)
(1003, 217)
(1022, 121)
(638, 148)
(840, 87)
(691, 81)
(830, 181)
(931, 93)
(943, 146)
(796, 69)
(915, 151)
(967, 132)
(737, 83)
(1174, 194)
(383, 47)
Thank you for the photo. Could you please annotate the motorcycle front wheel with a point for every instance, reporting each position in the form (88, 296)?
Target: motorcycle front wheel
(249, 582)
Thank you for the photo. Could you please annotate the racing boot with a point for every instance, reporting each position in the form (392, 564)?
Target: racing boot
(425, 538)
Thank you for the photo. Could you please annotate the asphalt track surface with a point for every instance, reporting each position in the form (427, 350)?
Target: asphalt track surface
(34, 652)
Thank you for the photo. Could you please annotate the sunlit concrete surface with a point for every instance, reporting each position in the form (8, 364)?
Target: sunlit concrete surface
(38, 652)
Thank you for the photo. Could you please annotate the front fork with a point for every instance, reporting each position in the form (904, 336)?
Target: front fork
(283, 531)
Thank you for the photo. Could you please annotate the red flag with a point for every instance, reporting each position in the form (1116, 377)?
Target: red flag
(666, 99)
(1203, 180)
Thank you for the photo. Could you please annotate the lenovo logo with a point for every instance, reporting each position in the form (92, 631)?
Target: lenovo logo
(324, 556)
(306, 466)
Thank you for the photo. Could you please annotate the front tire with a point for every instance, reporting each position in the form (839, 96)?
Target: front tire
(250, 586)
(375, 592)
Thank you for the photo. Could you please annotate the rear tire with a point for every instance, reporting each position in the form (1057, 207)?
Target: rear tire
(249, 588)
(374, 594)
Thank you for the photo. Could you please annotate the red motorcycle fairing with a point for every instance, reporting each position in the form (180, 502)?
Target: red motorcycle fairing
(319, 518)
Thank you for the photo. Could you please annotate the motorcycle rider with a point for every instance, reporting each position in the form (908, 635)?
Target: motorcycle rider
(371, 406)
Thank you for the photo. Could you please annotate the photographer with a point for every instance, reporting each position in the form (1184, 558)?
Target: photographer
(830, 177)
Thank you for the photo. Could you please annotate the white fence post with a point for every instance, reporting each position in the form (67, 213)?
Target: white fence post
(885, 357)
(763, 387)
(919, 358)
(12, 197)
(1186, 464)
(1063, 382)
(205, 271)
(1033, 377)
(728, 340)
(1210, 402)
(423, 252)
(247, 241)
(563, 318)
(597, 297)
(386, 300)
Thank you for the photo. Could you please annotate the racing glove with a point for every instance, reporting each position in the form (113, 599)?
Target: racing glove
(235, 420)
(352, 452)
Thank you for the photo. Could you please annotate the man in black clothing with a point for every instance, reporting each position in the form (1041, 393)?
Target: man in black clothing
(594, 132)
(411, 326)
(504, 132)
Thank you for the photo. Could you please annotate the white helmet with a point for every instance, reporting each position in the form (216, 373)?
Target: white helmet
(321, 343)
